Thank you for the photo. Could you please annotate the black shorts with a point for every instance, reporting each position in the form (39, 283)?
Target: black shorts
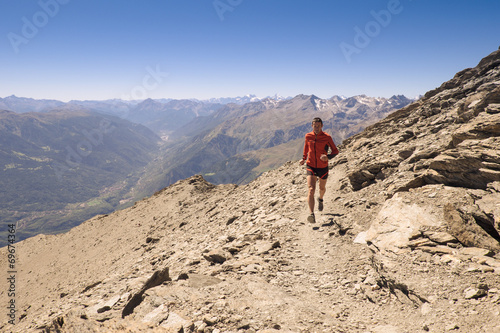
(318, 172)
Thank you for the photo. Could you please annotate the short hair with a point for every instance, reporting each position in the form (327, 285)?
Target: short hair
(317, 120)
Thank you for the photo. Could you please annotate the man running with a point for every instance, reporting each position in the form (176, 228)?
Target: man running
(316, 154)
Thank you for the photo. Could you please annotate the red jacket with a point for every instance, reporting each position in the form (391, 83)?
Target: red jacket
(317, 145)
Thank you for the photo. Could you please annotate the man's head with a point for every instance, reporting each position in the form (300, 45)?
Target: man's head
(317, 125)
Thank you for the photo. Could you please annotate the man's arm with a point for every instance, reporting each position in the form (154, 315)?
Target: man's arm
(334, 149)
(305, 153)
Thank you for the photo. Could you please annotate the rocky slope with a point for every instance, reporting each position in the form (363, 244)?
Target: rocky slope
(408, 240)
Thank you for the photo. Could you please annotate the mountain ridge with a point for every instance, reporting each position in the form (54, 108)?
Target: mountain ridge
(222, 137)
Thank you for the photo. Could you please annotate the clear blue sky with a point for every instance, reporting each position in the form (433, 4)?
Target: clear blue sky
(102, 49)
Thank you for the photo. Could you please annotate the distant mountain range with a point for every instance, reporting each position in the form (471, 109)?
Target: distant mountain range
(244, 99)
(65, 162)
(160, 115)
(237, 143)
(64, 166)
(116, 107)
(23, 104)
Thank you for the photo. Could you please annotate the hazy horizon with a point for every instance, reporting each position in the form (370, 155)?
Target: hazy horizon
(207, 99)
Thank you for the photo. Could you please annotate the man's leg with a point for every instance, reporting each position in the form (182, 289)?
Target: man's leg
(322, 190)
(311, 184)
(322, 187)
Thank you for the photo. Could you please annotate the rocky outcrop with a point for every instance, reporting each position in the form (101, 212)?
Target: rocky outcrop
(448, 137)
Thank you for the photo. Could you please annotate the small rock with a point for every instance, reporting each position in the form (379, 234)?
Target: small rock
(360, 238)
(476, 252)
(194, 262)
(176, 322)
(439, 249)
(263, 247)
(425, 309)
(103, 307)
(474, 293)
(487, 269)
(244, 326)
(492, 108)
(210, 321)
(473, 269)
(420, 242)
(217, 256)
(440, 237)
(200, 326)
(448, 258)
(231, 220)
(152, 240)
(488, 261)
(157, 315)
(125, 297)
(483, 286)
(252, 268)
